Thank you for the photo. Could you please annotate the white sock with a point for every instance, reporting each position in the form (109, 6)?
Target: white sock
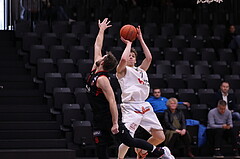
(122, 150)
(154, 147)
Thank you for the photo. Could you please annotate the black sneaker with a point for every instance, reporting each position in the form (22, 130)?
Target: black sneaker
(217, 154)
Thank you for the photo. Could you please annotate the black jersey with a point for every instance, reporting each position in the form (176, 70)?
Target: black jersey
(96, 97)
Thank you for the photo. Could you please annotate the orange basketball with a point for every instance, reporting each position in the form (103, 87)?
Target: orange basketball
(128, 32)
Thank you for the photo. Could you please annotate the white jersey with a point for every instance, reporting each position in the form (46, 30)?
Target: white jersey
(134, 85)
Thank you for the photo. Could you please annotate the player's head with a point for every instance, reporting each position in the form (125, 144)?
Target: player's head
(157, 92)
(222, 105)
(132, 59)
(108, 62)
(224, 87)
(172, 103)
(232, 28)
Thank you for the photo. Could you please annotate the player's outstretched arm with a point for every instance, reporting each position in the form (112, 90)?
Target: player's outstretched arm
(99, 39)
(104, 84)
(148, 57)
(121, 68)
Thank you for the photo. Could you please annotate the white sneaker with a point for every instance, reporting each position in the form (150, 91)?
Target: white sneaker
(167, 153)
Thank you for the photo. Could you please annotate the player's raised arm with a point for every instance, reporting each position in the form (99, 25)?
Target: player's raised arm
(121, 68)
(99, 39)
(148, 57)
(104, 84)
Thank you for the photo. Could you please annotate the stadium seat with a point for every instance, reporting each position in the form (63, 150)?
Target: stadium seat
(168, 92)
(185, 30)
(88, 112)
(156, 81)
(207, 96)
(36, 52)
(50, 39)
(84, 66)
(79, 28)
(151, 29)
(69, 39)
(194, 82)
(77, 52)
(57, 52)
(183, 70)
(188, 95)
(53, 80)
(220, 67)
(83, 134)
(197, 42)
(179, 41)
(213, 81)
(30, 39)
(135, 15)
(161, 42)
(153, 14)
(175, 81)
(208, 54)
(45, 65)
(182, 62)
(203, 30)
(234, 81)
(226, 55)
(171, 54)
(219, 30)
(42, 27)
(60, 27)
(81, 96)
(114, 30)
(164, 69)
(71, 113)
(87, 40)
(22, 27)
(201, 70)
(200, 112)
(62, 96)
(190, 54)
(66, 66)
(235, 68)
(167, 30)
(74, 80)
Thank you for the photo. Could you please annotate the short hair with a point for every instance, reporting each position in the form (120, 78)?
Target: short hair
(222, 103)
(110, 62)
(134, 51)
(170, 100)
(225, 82)
(156, 88)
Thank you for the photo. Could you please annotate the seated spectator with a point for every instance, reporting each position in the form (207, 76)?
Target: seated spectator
(232, 40)
(175, 127)
(219, 127)
(223, 94)
(159, 103)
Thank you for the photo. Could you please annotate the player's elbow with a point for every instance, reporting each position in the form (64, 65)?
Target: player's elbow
(149, 58)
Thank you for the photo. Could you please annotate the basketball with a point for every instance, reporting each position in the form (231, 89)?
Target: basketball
(128, 32)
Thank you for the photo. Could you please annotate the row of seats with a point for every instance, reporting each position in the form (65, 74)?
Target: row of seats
(87, 40)
(152, 29)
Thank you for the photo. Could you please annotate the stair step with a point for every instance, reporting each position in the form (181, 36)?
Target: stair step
(33, 144)
(20, 93)
(25, 117)
(24, 108)
(13, 71)
(37, 154)
(17, 85)
(37, 125)
(30, 134)
(10, 63)
(13, 78)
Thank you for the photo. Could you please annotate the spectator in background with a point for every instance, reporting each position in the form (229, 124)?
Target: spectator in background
(223, 94)
(175, 127)
(232, 40)
(219, 127)
(159, 103)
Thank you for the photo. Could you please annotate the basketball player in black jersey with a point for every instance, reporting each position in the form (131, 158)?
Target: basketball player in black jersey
(102, 100)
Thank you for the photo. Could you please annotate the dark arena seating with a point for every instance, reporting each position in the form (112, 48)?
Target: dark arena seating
(44, 111)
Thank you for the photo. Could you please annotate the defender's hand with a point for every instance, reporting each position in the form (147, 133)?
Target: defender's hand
(104, 24)
(114, 129)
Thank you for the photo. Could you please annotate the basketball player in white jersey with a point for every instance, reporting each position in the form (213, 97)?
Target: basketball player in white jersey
(135, 90)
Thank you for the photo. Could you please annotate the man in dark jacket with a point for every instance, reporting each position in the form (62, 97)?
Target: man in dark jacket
(223, 94)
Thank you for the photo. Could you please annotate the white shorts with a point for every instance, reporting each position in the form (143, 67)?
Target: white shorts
(135, 114)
